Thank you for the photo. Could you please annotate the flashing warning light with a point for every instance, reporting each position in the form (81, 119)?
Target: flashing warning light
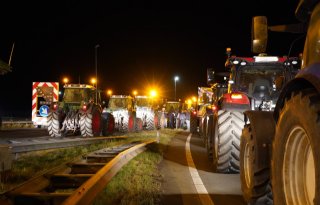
(236, 96)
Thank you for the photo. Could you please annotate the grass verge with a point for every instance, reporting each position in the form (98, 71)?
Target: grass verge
(138, 182)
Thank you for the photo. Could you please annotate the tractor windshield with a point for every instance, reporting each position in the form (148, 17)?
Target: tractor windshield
(118, 103)
(143, 102)
(259, 79)
(76, 95)
(172, 106)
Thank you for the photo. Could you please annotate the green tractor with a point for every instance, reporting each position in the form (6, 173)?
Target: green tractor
(77, 113)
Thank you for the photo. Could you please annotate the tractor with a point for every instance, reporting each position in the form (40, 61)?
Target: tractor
(146, 111)
(122, 109)
(254, 84)
(279, 155)
(77, 113)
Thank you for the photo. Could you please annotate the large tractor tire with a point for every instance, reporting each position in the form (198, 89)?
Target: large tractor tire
(108, 124)
(204, 128)
(255, 181)
(209, 137)
(156, 120)
(54, 121)
(138, 125)
(226, 149)
(150, 121)
(295, 154)
(91, 123)
(127, 123)
(193, 123)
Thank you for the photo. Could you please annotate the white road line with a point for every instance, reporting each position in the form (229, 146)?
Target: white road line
(201, 189)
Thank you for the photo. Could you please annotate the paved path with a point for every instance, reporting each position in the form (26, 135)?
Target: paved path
(189, 178)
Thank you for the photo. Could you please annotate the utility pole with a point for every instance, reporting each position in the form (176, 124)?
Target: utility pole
(96, 66)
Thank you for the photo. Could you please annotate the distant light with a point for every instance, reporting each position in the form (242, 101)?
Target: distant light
(93, 80)
(135, 92)
(109, 92)
(294, 62)
(65, 80)
(153, 93)
(176, 78)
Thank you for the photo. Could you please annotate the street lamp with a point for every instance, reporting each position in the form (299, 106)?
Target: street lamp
(134, 93)
(109, 92)
(65, 80)
(96, 66)
(175, 87)
(94, 81)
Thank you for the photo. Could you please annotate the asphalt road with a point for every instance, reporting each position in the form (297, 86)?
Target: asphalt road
(189, 177)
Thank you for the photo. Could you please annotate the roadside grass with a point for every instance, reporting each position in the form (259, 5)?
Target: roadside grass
(33, 163)
(138, 182)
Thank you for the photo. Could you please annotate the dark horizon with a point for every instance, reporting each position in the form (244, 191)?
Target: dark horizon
(141, 44)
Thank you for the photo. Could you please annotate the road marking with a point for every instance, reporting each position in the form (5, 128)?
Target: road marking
(201, 189)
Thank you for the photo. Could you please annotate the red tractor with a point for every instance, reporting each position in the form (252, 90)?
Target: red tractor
(251, 86)
(280, 151)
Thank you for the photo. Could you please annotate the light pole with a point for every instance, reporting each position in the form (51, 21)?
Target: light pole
(175, 87)
(96, 66)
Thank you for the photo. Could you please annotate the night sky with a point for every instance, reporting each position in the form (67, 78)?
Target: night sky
(142, 43)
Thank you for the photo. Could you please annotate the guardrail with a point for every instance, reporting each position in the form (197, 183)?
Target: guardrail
(7, 123)
(81, 180)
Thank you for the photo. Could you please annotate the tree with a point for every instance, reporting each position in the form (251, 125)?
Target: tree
(4, 67)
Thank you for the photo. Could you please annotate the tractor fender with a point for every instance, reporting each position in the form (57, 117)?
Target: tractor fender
(263, 130)
(306, 78)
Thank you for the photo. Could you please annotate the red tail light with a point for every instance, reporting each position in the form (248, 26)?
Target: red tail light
(55, 106)
(214, 108)
(84, 107)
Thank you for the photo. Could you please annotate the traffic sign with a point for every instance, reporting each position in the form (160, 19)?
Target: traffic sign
(44, 110)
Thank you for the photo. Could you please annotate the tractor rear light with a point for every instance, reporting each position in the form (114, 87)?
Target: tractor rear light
(55, 106)
(243, 63)
(214, 108)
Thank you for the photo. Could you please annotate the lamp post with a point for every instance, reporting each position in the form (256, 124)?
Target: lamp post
(96, 66)
(175, 87)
